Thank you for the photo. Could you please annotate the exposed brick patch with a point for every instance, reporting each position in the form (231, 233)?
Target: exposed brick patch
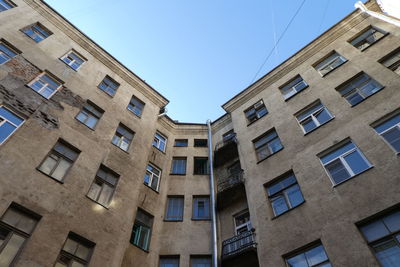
(21, 68)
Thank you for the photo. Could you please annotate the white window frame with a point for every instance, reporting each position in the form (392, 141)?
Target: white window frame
(151, 177)
(157, 141)
(6, 56)
(247, 224)
(255, 114)
(387, 130)
(293, 89)
(373, 30)
(36, 32)
(344, 163)
(328, 65)
(4, 120)
(45, 84)
(313, 116)
(76, 54)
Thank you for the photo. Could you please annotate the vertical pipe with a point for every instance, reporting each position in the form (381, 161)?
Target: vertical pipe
(212, 195)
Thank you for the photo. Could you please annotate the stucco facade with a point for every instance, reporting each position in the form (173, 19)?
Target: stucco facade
(329, 215)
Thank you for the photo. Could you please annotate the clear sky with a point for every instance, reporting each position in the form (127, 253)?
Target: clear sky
(200, 53)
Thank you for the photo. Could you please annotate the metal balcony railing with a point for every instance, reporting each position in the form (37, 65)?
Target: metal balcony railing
(238, 244)
(229, 181)
(227, 140)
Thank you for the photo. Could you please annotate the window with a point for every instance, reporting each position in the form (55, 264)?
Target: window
(4, 5)
(312, 257)
(178, 165)
(76, 251)
(255, 112)
(268, 144)
(359, 88)
(390, 131)
(313, 117)
(242, 222)
(109, 86)
(367, 37)
(123, 137)
(174, 208)
(200, 261)
(16, 226)
(90, 114)
(201, 208)
(284, 194)
(200, 166)
(152, 177)
(200, 142)
(9, 123)
(37, 32)
(383, 237)
(59, 160)
(103, 186)
(6, 52)
(344, 162)
(141, 231)
(228, 136)
(294, 86)
(136, 106)
(160, 142)
(328, 64)
(181, 143)
(45, 85)
(73, 59)
(392, 61)
(168, 261)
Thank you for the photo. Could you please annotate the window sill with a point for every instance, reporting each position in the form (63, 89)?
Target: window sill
(351, 178)
(261, 160)
(250, 123)
(145, 250)
(178, 174)
(298, 92)
(283, 213)
(97, 202)
(201, 220)
(58, 181)
(307, 133)
(362, 50)
(352, 106)
(152, 189)
(324, 75)
(166, 220)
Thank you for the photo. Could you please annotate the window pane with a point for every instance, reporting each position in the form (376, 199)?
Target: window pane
(323, 116)
(374, 230)
(10, 116)
(392, 221)
(308, 125)
(393, 138)
(61, 169)
(316, 255)
(154, 182)
(70, 246)
(12, 217)
(354, 98)
(77, 264)
(275, 145)
(105, 195)
(82, 252)
(337, 171)
(26, 224)
(49, 164)
(294, 195)
(279, 205)
(11, 249)
(94, 190)
(169, 262)
(387, 124)
(343, 149)
(388, 253)
(298, 261)
(356, 162)
(91, 122)
(144, 234)
(6, 129)
(82, 116)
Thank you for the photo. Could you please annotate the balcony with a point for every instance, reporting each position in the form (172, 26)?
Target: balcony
(225, 150)
(240, 250)
(230, 188)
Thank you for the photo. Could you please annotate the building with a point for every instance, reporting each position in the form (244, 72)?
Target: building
(306, 159)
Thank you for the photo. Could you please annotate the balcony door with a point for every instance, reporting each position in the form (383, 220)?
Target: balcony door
(242, 222)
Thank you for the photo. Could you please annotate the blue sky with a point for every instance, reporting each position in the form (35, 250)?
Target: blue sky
(199, 54)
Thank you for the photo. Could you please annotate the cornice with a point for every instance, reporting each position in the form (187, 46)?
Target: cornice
(298, 58)
(96, 51)
(182, 128)
(221, 122)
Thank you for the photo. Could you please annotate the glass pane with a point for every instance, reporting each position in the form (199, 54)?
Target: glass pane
(393, 138)
(82, 252)
(125, 144)
(82, 116)
(105, 195)
(279, 205)
(170, 262)
(10, 116)
(26, 224)
(12, 217)
(316, 255)
(70, 246)
(388, 253)
(3, 235)
(91, 122)
(387, 124)
(308, 125)
(77, 264)
(275, 145)
(343, 149)
(47, 92)
(144, 237)
(356, 162)
(294, 195)
(154, 182)
(354, 98)
(11, 249)
(48, 165)
(6, 130)
(94, 191)
(392, 221)
(337, 171)
(147, 178)
(323, 116)
(297, 261)
(374, 230)
(61, 169)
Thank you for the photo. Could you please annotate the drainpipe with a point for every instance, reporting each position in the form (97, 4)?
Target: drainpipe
(212, 194)
(377, 15)
(163, 112)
